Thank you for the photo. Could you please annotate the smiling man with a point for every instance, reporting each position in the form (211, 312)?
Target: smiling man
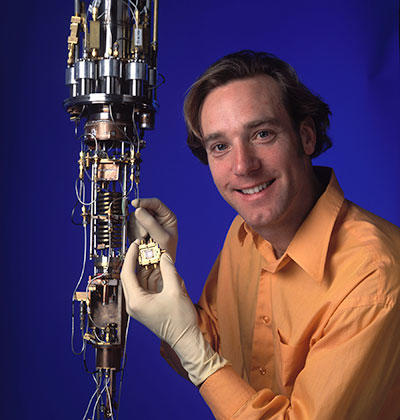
(300, 315)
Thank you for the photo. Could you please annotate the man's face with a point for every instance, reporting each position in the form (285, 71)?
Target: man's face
(259, 163)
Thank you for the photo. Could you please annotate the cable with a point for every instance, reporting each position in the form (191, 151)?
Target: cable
(91, 399)
(99, 397)
(109, 399)
(73, 213)
(123, 366)
(76, 288)
(82, 187)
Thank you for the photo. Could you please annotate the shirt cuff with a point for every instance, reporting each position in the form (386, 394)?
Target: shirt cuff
(225, 392)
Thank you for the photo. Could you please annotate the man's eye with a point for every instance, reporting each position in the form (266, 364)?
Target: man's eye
(263, 134)
(219, 147)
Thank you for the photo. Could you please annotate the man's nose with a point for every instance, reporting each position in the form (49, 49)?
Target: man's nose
(245, 160)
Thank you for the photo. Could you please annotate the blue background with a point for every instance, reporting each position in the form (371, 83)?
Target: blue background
(347, 51)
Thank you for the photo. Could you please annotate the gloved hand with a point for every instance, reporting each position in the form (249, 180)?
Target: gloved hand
(156, 219)
(171, 315)
(153, 218)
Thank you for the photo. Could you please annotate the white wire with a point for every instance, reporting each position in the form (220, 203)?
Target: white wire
(78, 196)
(76, 288)
(109, 399)
(87, 297)
(91, 399)
(130, 9)
(98, 398)
(84, 260)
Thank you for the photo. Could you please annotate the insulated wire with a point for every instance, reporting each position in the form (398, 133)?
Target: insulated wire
(99, 397)
(109, 400)
(82, 188)
(87, 287)
(138, 150)
(123, 366)
(91, 399)
(76, 288)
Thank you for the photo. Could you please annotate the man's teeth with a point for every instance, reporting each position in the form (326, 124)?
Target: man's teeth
(257, 189)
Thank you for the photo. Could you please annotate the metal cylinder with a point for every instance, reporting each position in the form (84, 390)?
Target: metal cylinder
(85, 75)
(71, 81)
(135, 70)
(110, 73)
(152, 77)
(84, 69)
(110, 67)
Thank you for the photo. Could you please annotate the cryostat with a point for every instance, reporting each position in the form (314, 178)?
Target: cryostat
(112, 79)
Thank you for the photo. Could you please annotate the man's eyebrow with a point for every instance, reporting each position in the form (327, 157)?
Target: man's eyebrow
(212, 136)
(262, 121)
(251, 124)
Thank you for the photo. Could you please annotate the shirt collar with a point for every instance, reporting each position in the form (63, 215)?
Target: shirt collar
(309, 246)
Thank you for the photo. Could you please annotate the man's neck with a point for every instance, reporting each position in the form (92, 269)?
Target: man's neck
(280, 235)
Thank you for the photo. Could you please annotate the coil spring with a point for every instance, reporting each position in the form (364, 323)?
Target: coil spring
(105, 199)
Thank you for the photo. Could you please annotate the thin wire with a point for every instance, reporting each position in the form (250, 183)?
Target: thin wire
(130, 9)
(91, 399)
(84, 361)
(87, 297)
(160, 84)
(137, 152)
(119, 128)
(123, 366)
(73, 214)
(134, 5)
(82, 188)
(100, 395)
(109, 399)
(76, 288)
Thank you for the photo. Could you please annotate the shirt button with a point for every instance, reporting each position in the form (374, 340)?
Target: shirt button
(266, 319)
(262, 370)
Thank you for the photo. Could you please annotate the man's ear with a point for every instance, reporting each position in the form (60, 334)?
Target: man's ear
(308, 136)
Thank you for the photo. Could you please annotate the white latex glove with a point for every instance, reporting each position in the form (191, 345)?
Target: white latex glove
(156, 219)
(153, 218)
(171, 315)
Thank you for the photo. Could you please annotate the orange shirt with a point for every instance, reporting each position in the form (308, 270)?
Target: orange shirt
(314, 334)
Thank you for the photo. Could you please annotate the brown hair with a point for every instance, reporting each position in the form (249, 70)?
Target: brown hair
(299, 101)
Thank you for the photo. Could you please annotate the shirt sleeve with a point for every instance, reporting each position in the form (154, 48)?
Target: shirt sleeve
(348, 373)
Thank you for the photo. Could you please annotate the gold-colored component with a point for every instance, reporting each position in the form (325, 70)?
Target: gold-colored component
(87, 159)
(80, 296)
(84, 214)
(108, 170)
(84, 25)
(81, 165)
(149, 253)
(94, 36)
(89, 337)
(73, 37)
(95, 10)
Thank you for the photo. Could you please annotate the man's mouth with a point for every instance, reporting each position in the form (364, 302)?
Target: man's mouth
(257, 188)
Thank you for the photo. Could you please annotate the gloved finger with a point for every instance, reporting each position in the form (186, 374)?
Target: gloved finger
(171, 278)
(152, 225)
(159, 210)
(129, 280)
(135, 229)
(155, 281)
(143, 278)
